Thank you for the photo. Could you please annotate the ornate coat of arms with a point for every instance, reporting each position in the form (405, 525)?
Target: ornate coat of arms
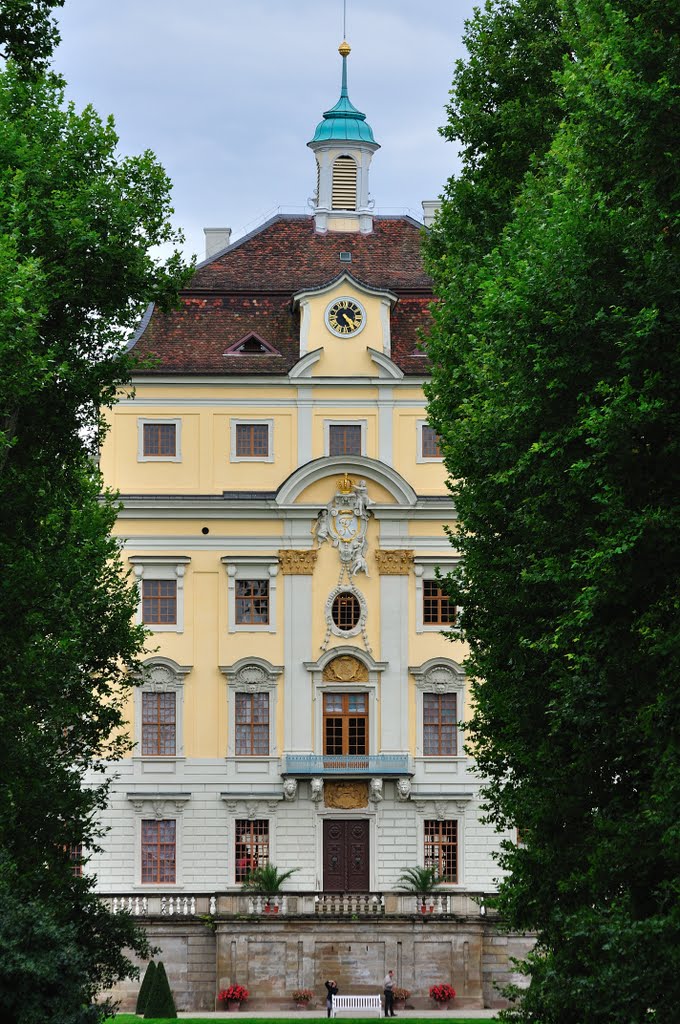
(344, 522)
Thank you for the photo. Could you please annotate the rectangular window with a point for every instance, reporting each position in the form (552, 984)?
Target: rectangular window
(429, 443)
(252, 724)
(75, 853)
(159, 602)
(439, 724)
(437, 608)
(252, 846)
(345, 723)
(159, 724)
(160, 440)
(252, 602)
(159, 851)
(252, 440)
(441, 848)
(344, 439)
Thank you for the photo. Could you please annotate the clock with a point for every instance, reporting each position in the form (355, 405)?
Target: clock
(345, 316)
(345, 525)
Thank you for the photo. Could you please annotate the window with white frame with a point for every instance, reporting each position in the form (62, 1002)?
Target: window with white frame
(428, 448)
(160, 579)
(434, 609)
(159, 703)
(440, 847)
(159, 724)
(440, 725)
(252, 602)
(251, 846)
(159, 440)
(159, 851)
(251, 597)
(440, 686)
(251, 440)
(252, 724)
(252, 696)
(159, 602)
(345, 437)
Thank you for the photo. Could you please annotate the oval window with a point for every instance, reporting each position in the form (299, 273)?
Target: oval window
(346, 610)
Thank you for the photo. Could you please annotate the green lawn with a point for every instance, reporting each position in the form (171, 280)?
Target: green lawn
(130, 1018)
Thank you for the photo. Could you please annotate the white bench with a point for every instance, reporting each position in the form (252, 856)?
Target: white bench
(360, 1004)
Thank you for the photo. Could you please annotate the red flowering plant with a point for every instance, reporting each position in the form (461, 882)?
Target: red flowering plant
(442, 993)
(233, 994)
(303, 995)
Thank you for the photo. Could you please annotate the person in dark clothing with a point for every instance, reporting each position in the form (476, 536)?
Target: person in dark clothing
(388, 985)
(332, 990)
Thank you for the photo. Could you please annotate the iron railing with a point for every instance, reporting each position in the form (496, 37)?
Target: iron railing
(347, 764)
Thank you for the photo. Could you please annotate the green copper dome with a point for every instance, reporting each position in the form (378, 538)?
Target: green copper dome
(343, 122)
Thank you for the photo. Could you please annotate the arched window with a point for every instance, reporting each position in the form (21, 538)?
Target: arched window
(344, 184)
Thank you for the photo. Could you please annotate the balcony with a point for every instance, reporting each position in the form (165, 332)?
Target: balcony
(346, 765)
(371, 905)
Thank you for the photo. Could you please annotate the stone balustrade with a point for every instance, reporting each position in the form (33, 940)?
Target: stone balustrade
(295, 904)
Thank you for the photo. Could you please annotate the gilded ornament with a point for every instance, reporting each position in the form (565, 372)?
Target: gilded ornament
(345, 669)
(346, 796)
(297, 563)
(394, 562)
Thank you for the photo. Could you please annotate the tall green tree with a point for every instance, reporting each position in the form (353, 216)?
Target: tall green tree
(28, 33)
(77, 227)
(556, 390)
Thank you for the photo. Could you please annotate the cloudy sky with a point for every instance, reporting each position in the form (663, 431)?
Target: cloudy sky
(228, 92)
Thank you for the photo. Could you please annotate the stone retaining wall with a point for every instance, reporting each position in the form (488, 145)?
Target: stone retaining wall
(273, 957)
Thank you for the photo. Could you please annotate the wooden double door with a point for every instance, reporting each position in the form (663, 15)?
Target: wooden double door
(346, 851)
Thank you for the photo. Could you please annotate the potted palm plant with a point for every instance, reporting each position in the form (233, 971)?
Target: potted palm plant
(267, 881)
(421, 882)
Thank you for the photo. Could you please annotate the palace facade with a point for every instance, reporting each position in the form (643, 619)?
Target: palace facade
(284, 511)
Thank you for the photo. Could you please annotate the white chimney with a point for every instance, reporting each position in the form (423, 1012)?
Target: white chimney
(216, 239)
(431, 208)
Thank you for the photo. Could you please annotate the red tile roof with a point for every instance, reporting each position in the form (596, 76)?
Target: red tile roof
(249, 287)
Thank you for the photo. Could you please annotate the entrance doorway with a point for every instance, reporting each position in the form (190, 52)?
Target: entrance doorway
(346, 855)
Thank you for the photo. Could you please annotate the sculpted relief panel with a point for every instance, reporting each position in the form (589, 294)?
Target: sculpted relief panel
(346, 795)
(345, 669)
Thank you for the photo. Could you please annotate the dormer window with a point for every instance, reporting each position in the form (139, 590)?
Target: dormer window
(344, 195)
(251, 345)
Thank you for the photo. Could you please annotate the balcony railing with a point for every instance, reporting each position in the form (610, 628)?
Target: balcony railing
(347, 764)
(348, 905)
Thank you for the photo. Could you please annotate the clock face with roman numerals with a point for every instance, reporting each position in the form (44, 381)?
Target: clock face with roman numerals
(345, 317)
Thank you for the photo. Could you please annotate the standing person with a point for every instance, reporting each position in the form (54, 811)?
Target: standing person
(388, 985)
(332, 990)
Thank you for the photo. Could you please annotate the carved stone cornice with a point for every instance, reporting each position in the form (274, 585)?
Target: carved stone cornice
(395, 562)
(298, 563)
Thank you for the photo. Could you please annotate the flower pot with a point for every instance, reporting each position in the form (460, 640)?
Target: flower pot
(275, 909)
(442, 1004)
(233, 1005)
(267, 909)
(301, 1006)
(399, 1004)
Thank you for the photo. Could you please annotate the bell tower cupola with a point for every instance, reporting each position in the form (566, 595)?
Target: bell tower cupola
(343, 145)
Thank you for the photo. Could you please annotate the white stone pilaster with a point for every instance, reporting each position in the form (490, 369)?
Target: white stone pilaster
(297, 736)
(385, 425)
(394, 651)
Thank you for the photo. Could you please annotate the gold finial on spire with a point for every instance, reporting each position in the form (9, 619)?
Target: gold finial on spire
(344, 49)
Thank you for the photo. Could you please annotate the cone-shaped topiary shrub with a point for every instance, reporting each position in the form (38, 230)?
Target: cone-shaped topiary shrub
(160, 1002)
(145, 988)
